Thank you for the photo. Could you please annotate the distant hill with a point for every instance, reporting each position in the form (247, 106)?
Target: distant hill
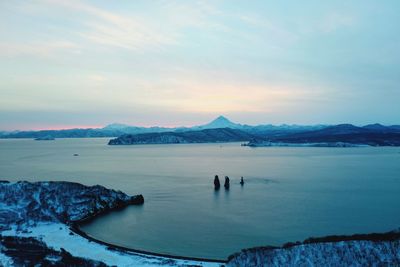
(201, 136)
(339, 135)
(68, 133)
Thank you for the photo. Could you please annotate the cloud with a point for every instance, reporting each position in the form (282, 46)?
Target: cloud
(39, 49)
(184, 91)
(112, 29)
(88, 25)
(196, 57)
(191, 92)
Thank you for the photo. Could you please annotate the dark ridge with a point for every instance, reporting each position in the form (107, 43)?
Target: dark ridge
(28, 251)
(201, 136)
(372, 135)
(374, 237)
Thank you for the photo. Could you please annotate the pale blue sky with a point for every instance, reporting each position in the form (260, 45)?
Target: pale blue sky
(90, 63)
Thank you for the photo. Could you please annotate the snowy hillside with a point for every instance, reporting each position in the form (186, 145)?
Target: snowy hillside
(36, 220)
(357, 250)
(38, 227)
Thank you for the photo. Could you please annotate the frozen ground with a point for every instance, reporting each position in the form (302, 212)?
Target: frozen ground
(342, 253)
(58, 236)
(35, 221)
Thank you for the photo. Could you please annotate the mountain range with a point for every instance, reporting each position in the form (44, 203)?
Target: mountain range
(223, 130)
(117, 129)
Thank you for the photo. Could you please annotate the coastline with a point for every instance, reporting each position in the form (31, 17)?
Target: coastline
(318, 144)
(75, 228)
(60, 233)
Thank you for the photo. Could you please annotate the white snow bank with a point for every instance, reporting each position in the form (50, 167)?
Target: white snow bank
(57, 236)
(5, 260)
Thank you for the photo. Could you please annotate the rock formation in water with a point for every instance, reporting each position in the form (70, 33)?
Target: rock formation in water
(226, 184)
(45, 138)
(217, 184)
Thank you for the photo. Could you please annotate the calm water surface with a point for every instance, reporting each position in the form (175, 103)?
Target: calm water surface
(290, 193)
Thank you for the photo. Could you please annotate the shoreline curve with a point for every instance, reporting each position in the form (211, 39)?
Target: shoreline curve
(75, 228)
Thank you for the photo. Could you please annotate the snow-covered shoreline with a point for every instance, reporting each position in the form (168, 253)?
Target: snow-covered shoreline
(39, 224)
(59, 236)
(357, 250)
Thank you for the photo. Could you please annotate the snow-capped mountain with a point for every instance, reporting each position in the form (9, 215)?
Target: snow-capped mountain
(220, 122)
(116, 126)
(265, 130)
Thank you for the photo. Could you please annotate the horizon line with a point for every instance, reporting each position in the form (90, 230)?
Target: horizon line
(98, 126)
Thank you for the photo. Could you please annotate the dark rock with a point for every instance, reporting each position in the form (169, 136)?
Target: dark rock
(27, 251)
(217, 184)
(226, 184)
(45, 138)
(137, 200)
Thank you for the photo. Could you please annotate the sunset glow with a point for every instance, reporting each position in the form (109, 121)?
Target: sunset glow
(183, 63)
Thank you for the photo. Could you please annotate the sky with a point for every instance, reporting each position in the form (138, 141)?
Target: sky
(77, 63)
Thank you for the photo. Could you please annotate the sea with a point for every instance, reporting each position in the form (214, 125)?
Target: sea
(289, 194)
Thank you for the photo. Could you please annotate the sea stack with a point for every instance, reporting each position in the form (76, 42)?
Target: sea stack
(226, 185)
(217, 184)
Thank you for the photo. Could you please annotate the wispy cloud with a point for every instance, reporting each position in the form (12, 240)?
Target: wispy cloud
(113, 29)
(198, 57)
(39, 49)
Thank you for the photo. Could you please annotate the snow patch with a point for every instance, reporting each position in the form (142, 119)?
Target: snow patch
(57, 236)
(5, 260)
